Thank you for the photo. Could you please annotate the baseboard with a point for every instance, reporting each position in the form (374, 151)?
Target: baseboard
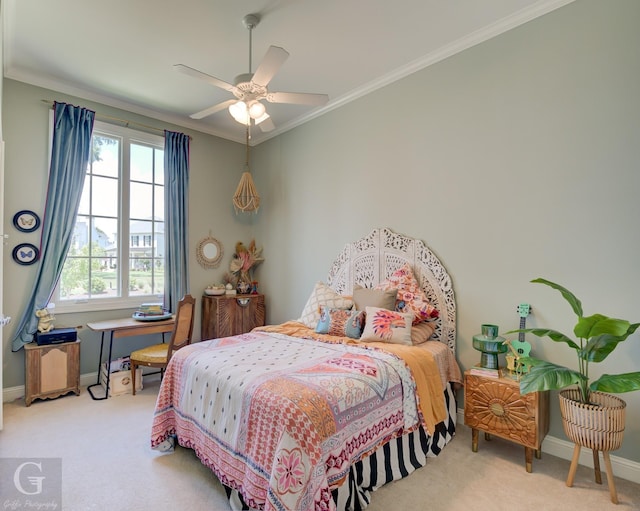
(13, 393)
(622, 467)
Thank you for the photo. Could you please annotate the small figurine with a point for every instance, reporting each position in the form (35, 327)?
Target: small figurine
(45, 320)
(519, 349)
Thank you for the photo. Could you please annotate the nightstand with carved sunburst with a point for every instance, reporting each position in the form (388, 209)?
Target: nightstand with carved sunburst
(495, 406)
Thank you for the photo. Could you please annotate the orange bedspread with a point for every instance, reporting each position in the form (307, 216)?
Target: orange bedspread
(428, 385)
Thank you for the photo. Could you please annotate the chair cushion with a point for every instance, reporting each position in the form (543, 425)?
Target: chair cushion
(156, 354)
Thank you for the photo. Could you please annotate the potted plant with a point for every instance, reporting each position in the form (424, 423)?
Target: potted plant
(598, 336)
(591, 416)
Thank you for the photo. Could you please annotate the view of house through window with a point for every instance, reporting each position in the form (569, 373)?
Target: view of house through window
(116, 257)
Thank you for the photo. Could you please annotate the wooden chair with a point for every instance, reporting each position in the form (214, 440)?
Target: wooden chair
(159, 355)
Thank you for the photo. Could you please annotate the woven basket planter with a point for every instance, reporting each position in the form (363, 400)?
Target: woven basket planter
(598, 425)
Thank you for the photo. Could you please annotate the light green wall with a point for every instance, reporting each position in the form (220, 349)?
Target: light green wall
(515, 159)
(215, 169)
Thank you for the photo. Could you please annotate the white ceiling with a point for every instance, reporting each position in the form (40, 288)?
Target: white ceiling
(121, 52)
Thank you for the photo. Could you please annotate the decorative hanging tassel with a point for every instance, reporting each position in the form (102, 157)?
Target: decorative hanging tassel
(246, 197)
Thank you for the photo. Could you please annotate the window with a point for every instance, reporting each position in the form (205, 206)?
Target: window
(116, 257)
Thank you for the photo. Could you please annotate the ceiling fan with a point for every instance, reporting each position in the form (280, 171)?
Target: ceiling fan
(250, 88)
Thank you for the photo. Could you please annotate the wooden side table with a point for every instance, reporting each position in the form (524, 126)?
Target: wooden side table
(495, 406)
(227, 315)
(51, 370)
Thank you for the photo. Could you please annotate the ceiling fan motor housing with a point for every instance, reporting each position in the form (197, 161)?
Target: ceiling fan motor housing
(247, 90)
(251, 21)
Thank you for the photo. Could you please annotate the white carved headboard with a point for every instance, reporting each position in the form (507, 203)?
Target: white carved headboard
(373, 258)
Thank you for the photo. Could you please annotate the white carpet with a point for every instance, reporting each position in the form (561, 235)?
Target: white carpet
(107, 464)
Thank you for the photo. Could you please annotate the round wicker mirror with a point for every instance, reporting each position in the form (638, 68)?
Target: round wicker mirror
(209, 252)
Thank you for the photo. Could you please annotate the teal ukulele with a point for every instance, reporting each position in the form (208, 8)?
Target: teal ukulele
(520, 348)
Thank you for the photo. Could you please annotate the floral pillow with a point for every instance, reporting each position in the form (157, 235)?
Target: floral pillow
(322, 295)
(411, 297)
(384, 325)
(341, 322)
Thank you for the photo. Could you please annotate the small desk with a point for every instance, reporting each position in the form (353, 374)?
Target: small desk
(124, 327)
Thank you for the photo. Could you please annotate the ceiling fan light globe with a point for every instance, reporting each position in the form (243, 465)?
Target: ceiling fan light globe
(239, 112)
(256, 110)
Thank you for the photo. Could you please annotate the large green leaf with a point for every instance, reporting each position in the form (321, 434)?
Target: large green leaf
(599, 347)
(576, 305)
(544, 375)
(589, 327)
(617, 383)
(532, 361)
(545, 332)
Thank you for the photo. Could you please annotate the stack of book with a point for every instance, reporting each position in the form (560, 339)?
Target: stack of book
(151, 309)
(485, 371)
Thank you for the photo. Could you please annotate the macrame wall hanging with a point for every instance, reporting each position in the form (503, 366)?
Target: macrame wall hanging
(246, 197)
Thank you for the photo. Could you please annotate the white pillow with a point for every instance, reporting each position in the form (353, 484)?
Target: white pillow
(385, 325)
(322, 295)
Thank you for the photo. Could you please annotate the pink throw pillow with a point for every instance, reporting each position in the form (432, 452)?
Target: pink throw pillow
(411, 297)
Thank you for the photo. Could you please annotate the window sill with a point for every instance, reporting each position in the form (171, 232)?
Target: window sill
(98, 305)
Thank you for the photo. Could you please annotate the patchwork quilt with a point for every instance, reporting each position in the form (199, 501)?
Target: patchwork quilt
(281, 419)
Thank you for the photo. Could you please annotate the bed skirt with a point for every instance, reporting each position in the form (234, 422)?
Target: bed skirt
(391, 462)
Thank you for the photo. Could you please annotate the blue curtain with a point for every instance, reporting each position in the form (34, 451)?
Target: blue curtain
(176, 218)
(71, 149)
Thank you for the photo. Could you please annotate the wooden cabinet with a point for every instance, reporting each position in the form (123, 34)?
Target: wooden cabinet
(51, 370)
(495, 406)
(226, 315)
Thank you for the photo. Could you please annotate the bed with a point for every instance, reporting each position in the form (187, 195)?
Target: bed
(293, 417)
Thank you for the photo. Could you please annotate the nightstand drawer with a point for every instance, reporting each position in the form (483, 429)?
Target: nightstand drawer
(495, 406)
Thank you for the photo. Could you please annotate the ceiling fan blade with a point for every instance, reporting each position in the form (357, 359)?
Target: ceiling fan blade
(266, 124)
(271, 62)
(213, 109)
(298, 98)
(204, 76)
